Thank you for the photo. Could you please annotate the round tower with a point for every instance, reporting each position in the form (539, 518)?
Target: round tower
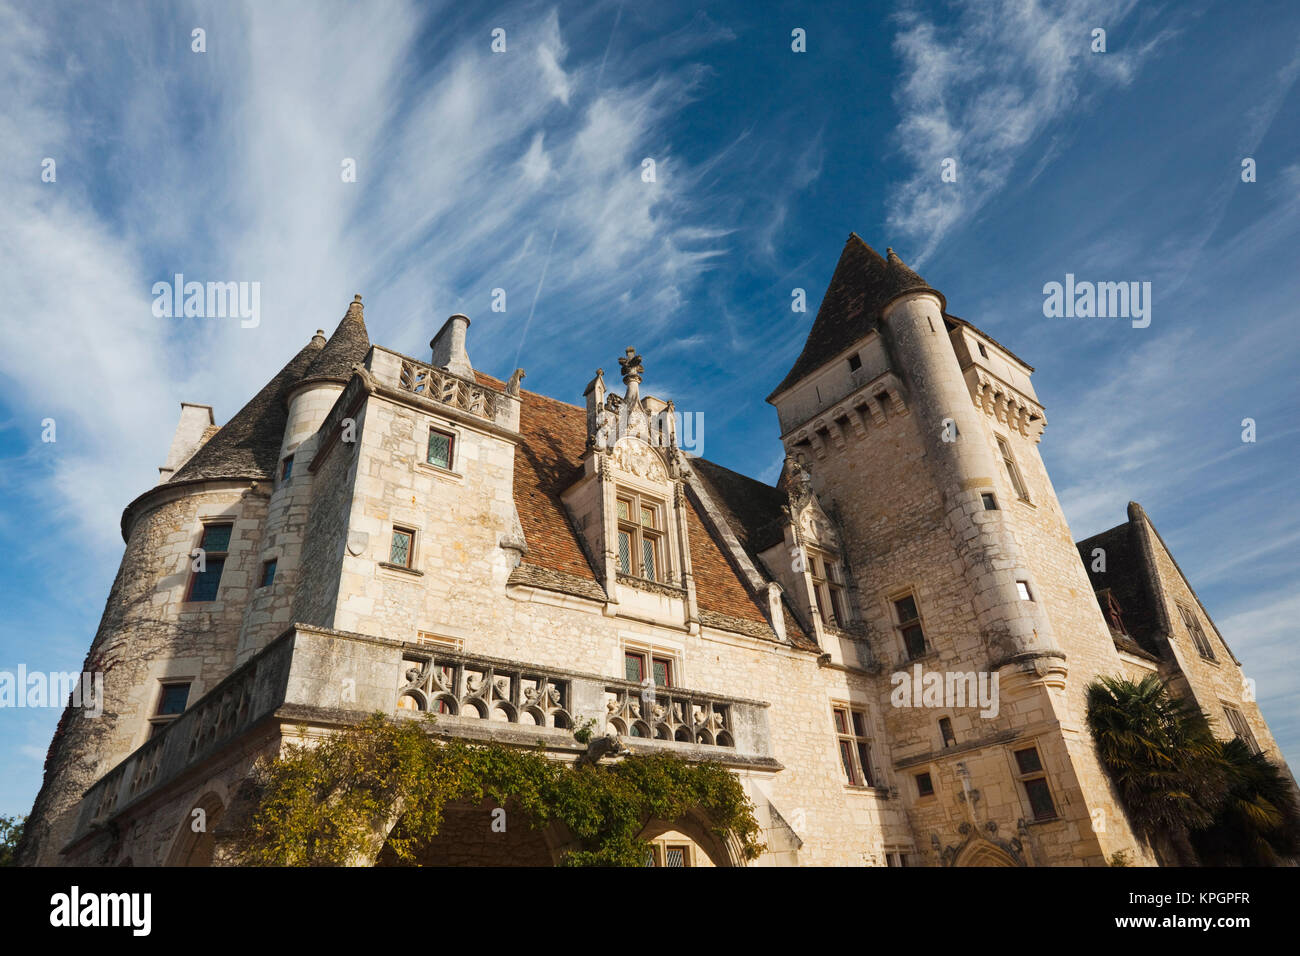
(306, 405)
(1016, 629)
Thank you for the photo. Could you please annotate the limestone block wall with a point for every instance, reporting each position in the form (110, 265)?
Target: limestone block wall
(459, 517)
(270, 609)
(149, 633)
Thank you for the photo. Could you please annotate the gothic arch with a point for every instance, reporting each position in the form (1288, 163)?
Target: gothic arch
(984, 853)
(195, 849)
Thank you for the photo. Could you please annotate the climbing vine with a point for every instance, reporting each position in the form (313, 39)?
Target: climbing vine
(328, 804)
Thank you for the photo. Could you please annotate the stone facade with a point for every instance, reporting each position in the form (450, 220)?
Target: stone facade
(411, 536)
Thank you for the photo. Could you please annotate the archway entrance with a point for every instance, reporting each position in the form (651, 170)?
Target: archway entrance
(474, 836)
(193, 847)
(983, 853)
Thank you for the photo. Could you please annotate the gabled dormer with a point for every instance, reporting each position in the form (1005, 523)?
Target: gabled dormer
(629, 503)
(810, 565)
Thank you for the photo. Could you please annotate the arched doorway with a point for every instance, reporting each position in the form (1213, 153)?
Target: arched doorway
(984, 853)
(479, 836)
(194, 842)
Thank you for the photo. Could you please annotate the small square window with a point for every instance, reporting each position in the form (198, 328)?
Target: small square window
(402, 545)
(924, 785)
(173, 699)
(268, 573)
(1022, 587)
(440, 448)
(990, 503)
(855, 362)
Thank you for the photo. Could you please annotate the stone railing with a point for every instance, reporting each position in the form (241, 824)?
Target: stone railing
(312, 676)
(249, 693)
(442, 386)
(669, 715)
(460, 686)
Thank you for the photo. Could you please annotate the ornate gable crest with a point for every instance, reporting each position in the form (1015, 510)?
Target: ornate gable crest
(635, 457)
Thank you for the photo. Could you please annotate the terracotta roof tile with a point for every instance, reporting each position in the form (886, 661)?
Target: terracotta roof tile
(547, 462)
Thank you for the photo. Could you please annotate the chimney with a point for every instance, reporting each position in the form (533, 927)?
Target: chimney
(449, 347)
(195, 420)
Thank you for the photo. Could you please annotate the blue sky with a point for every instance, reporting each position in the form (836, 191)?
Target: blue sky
(522, 171)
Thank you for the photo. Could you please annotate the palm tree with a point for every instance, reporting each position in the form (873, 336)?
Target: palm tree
(1163, 757)
(1259, 822)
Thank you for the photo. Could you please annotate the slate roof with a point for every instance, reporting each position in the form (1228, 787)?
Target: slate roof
(345, 348)
(863, 283)
(1129, 581)
(248, 446)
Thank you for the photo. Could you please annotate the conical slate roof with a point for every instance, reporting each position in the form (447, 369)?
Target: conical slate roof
(248, 446)
(864, 283)
(345, 348)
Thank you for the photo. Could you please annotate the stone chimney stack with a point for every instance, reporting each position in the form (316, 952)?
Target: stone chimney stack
(449, 347)
(195, 420)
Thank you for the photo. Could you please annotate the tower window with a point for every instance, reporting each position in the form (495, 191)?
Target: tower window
(855, 362)
(1013, 470)
(402, 549)
(945, 729)
(983, 351)
(1034, 779)
(908, 624)
(854, 744)
(924, 785)
(268, 573)
(286, 469)
(440, 448)
(1240, 728)
(1022, 587)
(990, 503)
(172, 698)
(1193, 625)
(640, 537)
(211, 561)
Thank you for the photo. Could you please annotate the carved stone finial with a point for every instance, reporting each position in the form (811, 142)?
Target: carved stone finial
(632, 368)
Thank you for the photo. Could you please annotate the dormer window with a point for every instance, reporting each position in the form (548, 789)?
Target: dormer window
(828, 585)
(640, 536)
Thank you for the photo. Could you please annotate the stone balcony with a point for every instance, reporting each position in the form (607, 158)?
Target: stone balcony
(323, 678)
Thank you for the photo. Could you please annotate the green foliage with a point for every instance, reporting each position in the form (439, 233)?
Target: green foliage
(11, 832)
(1216, 802)
(1259, 821)
(582, 733)
(325, 805)
(1159, 750)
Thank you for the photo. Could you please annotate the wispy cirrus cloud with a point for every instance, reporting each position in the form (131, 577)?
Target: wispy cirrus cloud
(982, 87)
(226, 165)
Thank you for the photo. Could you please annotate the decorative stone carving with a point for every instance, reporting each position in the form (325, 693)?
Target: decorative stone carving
(458, 686)
(637, 458)
(685, 718)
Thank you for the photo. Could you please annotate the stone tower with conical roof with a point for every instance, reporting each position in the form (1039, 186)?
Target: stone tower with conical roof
(206, 577)
(920, 433)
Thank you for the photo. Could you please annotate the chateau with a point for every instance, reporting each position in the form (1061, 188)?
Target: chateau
(377, 532)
